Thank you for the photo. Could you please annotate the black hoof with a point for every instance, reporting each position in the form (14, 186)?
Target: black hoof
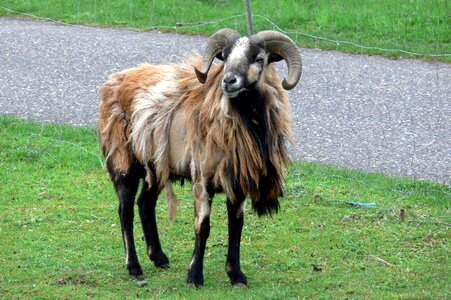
(160, 260)
(195, 280)
(135, 271)
(238, 279)
(163, 266)
(194, 285)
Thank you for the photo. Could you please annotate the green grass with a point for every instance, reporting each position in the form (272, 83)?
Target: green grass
(420, 26)
(60, 235)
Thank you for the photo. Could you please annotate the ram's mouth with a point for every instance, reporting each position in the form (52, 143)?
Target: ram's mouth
(233, 94)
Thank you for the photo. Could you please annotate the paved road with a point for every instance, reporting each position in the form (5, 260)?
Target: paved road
(357, 111)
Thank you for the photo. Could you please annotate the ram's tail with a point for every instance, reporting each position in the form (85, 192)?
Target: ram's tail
(172, 202)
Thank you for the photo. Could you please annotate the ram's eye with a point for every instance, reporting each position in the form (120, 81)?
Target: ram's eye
(259, 60)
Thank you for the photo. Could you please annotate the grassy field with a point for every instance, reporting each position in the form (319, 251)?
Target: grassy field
(420, 26)
(60, 235)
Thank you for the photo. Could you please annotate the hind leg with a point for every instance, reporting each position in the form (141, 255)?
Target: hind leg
(126, 185)
(147, 202)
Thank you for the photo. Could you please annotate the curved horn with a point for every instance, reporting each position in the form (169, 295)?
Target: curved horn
(215, 44)
(279, 43)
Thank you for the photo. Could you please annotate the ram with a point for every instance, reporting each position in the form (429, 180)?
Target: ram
(224, 127)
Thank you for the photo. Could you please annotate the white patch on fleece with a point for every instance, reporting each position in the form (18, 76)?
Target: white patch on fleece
(127, 246)
(191, 263)
(193, 169)
(240, 211)
(204, 212)
(203, 209)
(150, 119)
(277, 103)
(238, 53)
(225, 105)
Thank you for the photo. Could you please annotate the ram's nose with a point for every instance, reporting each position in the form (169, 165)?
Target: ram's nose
(231, 83)
(230, 79)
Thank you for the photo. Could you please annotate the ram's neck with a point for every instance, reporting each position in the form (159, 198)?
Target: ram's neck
(251, 107)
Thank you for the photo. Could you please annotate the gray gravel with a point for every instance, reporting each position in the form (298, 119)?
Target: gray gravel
(356, 111)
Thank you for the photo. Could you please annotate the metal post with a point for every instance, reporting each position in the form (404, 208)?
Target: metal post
(250, 27)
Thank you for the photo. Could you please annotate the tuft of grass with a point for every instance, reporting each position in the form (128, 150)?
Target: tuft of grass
(60, 233)
(419, 26)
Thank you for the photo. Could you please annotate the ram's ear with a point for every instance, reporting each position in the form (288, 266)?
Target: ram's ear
(273, 57)
(220, 56)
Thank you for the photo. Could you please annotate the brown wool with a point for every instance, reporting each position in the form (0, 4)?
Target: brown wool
(137, 110)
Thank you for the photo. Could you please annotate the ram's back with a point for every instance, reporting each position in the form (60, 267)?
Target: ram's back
(139, 88)
(136, 112)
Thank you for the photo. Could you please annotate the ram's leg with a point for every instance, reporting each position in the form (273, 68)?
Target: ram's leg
(126, 186)
(147, 202)
(203, 199)
(235, 212)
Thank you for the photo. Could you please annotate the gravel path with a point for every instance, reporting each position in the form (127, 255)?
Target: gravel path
(357, 111)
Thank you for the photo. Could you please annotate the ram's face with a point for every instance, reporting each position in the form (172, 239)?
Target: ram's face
(246, 57)
(243, 65)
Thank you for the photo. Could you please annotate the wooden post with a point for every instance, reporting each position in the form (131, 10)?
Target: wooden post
(250, 27)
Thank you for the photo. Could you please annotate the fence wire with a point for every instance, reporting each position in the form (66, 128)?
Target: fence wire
(238, 19)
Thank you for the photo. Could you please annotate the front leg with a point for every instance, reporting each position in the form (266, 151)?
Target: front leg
(203, 199)
(235, 212)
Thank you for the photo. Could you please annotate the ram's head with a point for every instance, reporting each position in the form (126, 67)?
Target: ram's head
(245, 58)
